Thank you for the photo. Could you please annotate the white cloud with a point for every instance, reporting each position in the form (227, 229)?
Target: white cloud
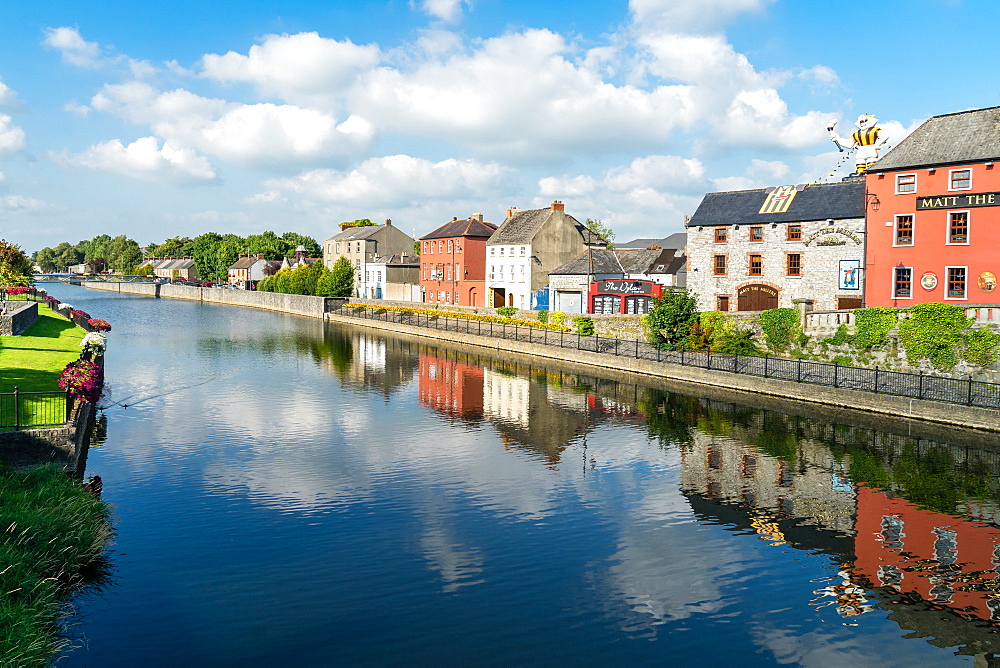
(11, 136)
(820, 74)
(268, 197)
(23, 204)
(8, 98)
(145, 160)
(73, 48)
(446, 10)
(301, 67)
(696, 16)
(758, 174)
(261, 134)
(397, 181)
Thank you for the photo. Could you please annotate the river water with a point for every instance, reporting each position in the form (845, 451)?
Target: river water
(289, 492)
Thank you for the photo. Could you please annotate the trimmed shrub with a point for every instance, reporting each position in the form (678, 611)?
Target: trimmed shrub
(543, 316)
(507, 311)
(584, 325)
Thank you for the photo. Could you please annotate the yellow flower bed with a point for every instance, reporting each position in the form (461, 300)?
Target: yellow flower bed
(467, 316)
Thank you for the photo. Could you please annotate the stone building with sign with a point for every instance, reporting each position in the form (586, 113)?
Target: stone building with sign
(934, 214)
(753, 250)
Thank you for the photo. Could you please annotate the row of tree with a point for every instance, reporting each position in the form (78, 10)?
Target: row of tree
(314, 279)
(213, 253)
(15, 266)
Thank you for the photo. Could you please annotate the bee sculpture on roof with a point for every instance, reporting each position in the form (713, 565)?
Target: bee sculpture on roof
(867, 139)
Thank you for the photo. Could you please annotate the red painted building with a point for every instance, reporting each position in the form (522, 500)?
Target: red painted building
(623, 296)
(933, 214)
(453, 262)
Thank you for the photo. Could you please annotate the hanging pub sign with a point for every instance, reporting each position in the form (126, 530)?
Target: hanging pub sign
(623, 297)
(958, 201)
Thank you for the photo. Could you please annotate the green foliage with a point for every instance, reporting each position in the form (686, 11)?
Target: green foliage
(671, 317)
(842, 360)
(601, 230)
(339, 281)
(981, 346)
(932, 332)
(360, 222)
(781, 327)
(557, 317)
(739, 342)
(840, 337)
(584, 325)
(871, 325)
(507, 311)
(543, 316)
(16, 268)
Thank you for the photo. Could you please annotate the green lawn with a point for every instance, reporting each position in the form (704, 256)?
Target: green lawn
(33, 360)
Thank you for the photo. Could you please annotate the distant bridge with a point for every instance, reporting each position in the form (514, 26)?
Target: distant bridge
(100, 278)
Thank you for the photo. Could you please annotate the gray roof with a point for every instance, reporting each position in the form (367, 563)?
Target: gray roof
(468, 227)
(845, 199)
(356, 233)
(623, 262)
(521, 227)
(963, 137)
(398, 260)
(675, 240)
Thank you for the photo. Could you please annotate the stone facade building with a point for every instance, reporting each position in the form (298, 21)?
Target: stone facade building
(754, 250)
(360, 245)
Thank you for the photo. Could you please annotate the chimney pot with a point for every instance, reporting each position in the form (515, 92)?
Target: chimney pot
(558, 206)
(477, 217)
(511, 211)
(388, 222)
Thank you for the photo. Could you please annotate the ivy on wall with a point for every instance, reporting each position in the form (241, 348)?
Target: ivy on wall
(981, 346)
(932, 332)
(871, 325)
(780, 327)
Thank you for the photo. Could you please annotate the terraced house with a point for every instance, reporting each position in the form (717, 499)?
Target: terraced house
(453, 262)
(753, 250)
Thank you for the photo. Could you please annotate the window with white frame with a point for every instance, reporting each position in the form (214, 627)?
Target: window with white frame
(956, 285)
(524, 249)
(903, 233)
(958, 227)
(960, 179)
(902, 282)
(493, 250)
(906, 183)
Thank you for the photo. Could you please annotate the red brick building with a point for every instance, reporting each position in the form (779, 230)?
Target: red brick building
(453, 262)
(933, 212)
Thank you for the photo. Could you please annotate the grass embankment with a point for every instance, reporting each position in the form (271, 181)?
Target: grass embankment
(51, 528)
(33, 360)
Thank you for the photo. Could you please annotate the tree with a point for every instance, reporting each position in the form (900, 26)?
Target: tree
(339, 282)
(293, 240)
(603, 231)
(46, 259)
(16, 268)
(671, 317)
(360, 222)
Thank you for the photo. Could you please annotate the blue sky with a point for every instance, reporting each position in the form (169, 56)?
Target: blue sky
(159, 119)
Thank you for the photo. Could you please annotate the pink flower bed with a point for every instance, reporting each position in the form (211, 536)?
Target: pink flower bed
(77, 313)
(99, 325)
(83, 379)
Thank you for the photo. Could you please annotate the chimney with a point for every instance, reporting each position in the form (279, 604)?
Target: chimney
(477, 217)
(511, 210)
(388, 222)
(558, 206)
(346, 226)
(260, 256)
(454, 218)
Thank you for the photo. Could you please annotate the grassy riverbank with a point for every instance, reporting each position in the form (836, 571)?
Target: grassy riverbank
(33, 360)
(50, 529)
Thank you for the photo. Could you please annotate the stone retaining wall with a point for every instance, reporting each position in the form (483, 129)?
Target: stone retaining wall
(19, 318)
(306, 305)
(65, 445)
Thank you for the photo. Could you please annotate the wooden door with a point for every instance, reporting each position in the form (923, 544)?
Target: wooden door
(756, 297)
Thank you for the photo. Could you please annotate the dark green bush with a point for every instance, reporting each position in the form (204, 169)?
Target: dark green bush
(584, 325)
(507, 311)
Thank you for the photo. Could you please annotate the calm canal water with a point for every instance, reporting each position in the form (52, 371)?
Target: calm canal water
(289, 493)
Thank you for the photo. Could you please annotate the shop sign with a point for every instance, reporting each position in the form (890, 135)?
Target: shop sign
(757, 287)
(929, 280)
(626, 287)
(958, 201)
(830, 240)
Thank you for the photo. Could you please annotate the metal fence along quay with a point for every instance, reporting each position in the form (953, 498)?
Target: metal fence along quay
(25, 410)
(967, 392)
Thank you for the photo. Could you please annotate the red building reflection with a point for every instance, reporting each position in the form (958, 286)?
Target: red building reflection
(450, 386)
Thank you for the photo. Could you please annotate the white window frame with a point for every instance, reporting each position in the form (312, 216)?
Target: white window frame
(951, 178)
(892, 286)
(947, 272)
(906, 192)
(895, 229)
(968, 229)
(493, 250)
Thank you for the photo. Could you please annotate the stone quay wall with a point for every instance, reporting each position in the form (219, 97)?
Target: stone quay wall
(306, 305)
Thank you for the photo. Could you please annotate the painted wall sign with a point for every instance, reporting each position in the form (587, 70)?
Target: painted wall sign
(756, 287)
(987, 281)
(958, 201)
(929, 280)
(829, 240)
(849, 270)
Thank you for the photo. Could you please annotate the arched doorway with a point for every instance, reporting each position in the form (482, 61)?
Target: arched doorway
(473, 297)
(510, 299)
(756, 297)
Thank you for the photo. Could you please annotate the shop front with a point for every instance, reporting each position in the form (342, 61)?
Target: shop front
(622, 297)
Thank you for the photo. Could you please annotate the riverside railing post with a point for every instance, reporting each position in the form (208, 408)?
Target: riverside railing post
(920, 386)
(968, 401)
(835, 367)
(708, 361)
(17, 409)
(798, 373)
(876, 380)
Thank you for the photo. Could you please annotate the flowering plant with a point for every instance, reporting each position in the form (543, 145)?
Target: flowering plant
(77, 313)
(17, 290)
(99, 325)
(94, 342)
(83, 379)
(51, 300)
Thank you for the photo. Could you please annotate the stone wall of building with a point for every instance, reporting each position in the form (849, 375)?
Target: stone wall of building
(822, 248)
(19, 317)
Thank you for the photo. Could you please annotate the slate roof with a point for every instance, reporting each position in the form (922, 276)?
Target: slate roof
(522, 226)
(462, 228)
(356, 233)
(820, 201)
(404, 260)
(675, 240)
(963, 137)
(623, 262)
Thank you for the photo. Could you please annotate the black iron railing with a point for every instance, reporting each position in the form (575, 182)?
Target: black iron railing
(26, 410)
(964, 391)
